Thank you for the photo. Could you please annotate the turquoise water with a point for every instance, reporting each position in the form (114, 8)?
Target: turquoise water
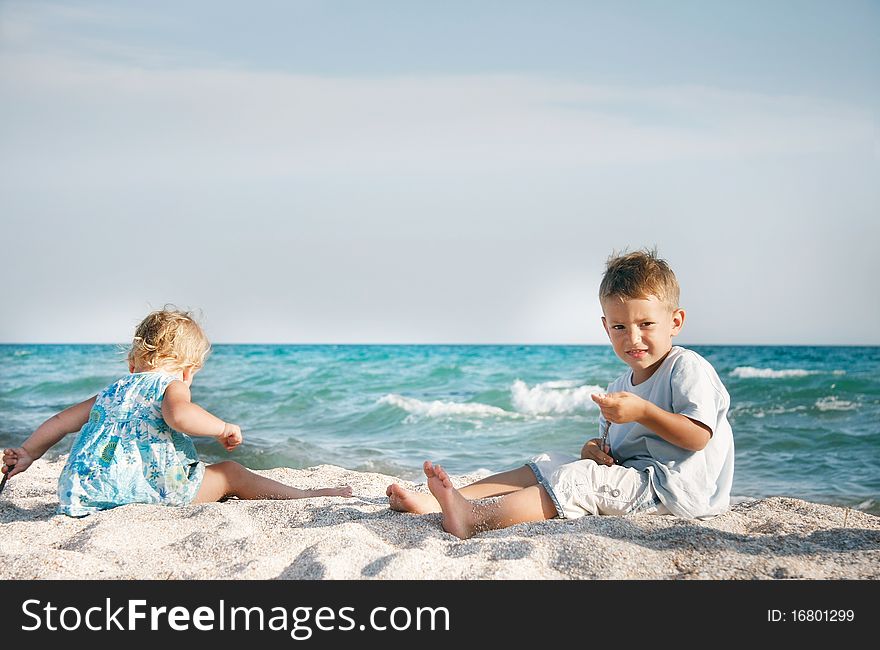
(806, 420)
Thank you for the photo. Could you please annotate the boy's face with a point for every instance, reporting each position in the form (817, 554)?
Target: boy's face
(641, 331)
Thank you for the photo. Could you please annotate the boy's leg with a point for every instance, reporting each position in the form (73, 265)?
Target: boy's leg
(499, 484)
(463, 518)
(403, 500)
(229, 479)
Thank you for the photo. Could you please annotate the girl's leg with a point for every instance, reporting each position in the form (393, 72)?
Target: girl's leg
(463, 518)
(419, 503)
(229, 479)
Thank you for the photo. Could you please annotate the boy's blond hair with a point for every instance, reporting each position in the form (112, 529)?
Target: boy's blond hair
(171, 339)
(638, 275)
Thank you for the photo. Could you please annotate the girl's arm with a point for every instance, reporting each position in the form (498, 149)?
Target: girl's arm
(181, 414)
(47, 435)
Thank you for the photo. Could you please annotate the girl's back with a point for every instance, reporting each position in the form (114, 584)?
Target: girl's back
(126, 453)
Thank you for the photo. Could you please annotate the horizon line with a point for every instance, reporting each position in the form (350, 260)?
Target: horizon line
(453, 344)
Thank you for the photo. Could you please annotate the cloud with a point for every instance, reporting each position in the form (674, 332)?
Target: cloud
(436, 207)
(114, 111)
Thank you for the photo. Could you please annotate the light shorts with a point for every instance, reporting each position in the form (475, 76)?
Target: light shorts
(583, 487)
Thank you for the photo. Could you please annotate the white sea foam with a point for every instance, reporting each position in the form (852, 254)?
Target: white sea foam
(747, 372)
(831, 403)
(553, 397)
(441, 409)
(561, 383)
(774, 410)
(560, 397)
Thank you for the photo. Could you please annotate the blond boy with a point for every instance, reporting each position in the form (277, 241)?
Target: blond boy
(670, 445)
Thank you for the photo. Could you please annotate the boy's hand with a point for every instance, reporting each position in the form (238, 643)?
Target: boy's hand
(19, 457)
(592, 450)
(621, 407)
(231, 436)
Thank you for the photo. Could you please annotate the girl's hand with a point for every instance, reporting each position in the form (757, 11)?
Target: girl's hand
(592, 450)
(231, 436)
(19, 457)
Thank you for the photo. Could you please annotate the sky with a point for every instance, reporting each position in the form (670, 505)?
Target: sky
(437, 172)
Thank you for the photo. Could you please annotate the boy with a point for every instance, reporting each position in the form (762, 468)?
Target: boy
(670, 445)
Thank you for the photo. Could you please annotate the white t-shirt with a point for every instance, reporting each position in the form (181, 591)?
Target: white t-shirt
(692, 484)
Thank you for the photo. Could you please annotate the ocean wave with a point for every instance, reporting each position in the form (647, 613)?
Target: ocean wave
(831, 403)
(441, 409)
(761, 412)
(559, 397)
(553, 397)
(748, 372)
(559, 383)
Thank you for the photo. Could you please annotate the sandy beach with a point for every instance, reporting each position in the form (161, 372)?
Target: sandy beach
(360, 538)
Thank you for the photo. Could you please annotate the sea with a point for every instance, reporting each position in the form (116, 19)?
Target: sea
(806, 420)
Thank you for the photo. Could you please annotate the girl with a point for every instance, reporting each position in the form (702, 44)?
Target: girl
(133, 445)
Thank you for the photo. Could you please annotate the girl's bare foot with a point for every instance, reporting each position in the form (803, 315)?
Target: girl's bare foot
(344, 491)
(458, 512)
(403, 500)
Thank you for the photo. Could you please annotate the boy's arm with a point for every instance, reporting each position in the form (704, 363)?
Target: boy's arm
(678, 429)
(181, 414)
(675, 428)
(47, 435)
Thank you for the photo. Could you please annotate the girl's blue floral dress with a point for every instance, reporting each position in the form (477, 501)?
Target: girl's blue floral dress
(126, 453)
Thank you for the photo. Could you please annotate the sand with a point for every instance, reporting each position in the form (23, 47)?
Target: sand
(361, 538)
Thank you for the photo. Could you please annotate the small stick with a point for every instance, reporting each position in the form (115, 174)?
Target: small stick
(605, 435)
(5, 478)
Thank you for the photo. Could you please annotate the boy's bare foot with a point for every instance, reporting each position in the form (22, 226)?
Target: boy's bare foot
(403, 500)
(344, 491)
(457, 511)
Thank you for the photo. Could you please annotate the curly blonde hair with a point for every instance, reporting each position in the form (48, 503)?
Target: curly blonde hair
(169, 338)
(638, 275)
